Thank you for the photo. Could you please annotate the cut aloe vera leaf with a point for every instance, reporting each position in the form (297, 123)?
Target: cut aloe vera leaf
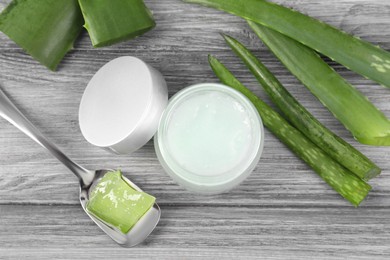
(333, 145)
(45, 29)
(340, 179)
(116, 203)
(110, 22)
(366, 123)
(354, 53)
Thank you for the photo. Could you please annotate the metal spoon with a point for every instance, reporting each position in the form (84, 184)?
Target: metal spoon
(86, 177)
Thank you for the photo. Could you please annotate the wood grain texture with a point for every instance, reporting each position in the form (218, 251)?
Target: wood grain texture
(283, 210)
(190, 232)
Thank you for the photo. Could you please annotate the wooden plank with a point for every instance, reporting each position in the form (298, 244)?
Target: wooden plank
(65, 232)
(186, 34)
(293, 184)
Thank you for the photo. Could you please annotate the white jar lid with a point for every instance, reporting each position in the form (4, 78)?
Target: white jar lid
(122, 105)
(210, 138)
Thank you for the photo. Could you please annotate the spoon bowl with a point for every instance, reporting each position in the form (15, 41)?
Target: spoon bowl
(88, 179)
(140, 230)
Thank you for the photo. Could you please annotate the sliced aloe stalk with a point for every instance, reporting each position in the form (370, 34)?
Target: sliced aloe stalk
(339, 178)
(354, 53)
(116, 203)
(45, 29)
(367, 124)
(110, 22)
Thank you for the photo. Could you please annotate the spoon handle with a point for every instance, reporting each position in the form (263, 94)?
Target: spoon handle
(12, 114)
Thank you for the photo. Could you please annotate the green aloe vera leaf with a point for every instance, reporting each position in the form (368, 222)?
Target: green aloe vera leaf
(367, 124)
(334, 146)
(116, 203)
(354, 53)
(109, 22)
(45, 29)
(339, 178)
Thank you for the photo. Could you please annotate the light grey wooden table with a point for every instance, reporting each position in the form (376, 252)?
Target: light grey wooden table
(284, 210)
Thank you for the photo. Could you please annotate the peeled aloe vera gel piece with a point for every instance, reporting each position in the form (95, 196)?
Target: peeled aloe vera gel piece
(109, 22)
(116, 203)
(45, 29)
